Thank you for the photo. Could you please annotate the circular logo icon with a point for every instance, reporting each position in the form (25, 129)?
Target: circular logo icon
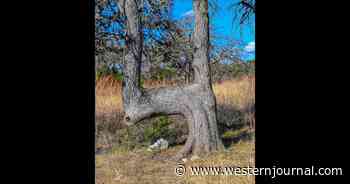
(180, 170)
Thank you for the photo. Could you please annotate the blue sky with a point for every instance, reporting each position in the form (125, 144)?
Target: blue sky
(223, 23)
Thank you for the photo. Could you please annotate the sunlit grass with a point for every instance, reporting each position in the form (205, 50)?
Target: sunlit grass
(121, 166)
(237, 93)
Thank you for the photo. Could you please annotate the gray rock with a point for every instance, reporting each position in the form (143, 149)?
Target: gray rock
(160, 144)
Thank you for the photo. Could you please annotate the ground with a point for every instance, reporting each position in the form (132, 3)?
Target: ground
(125, 165)
(143, 167)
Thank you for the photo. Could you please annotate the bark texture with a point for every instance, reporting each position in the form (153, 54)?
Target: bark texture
(195, 101)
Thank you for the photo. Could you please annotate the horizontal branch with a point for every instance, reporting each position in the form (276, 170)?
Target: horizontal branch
(164, 100)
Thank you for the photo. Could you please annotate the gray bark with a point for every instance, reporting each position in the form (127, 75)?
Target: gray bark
(195, 101)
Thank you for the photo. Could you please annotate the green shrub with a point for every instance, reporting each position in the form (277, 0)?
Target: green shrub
(158, 129)
(118, 76)
(240, 69)
(104, 70)
(163, 73)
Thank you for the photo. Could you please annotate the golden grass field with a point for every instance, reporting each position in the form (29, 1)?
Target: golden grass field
(237, 93)
(139, 166)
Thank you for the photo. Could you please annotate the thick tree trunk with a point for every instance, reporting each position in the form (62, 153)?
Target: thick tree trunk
(196, 101)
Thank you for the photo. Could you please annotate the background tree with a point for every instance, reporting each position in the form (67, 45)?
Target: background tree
(167, 45)
(243, 10)
(162, 35)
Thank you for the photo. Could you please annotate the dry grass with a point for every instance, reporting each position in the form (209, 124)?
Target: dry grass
(235, 93)
(239, 155)
(108, 94)
(122, 166)
(142, 167)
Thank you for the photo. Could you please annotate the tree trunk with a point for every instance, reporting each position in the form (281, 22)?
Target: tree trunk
(195, 101)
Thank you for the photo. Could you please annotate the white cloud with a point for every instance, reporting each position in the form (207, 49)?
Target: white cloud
(250, 47)
(188, 13)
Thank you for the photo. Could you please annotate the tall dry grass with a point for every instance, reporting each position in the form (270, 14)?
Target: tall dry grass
(235, 100)
(238, 93)
(139, 166)
(235, 94)
(108, 94)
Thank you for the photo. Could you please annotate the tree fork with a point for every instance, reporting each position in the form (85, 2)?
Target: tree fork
(196, 101)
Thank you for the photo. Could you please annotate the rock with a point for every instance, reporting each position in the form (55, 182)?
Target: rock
(163, 144)
(160, 144)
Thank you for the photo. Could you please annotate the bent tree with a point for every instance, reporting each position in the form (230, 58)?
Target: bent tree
(195, 101)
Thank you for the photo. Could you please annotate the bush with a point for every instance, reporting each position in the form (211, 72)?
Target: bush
(239, 69)
(118, 76)
(159, 129)
(104, 70)
(166, 73)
